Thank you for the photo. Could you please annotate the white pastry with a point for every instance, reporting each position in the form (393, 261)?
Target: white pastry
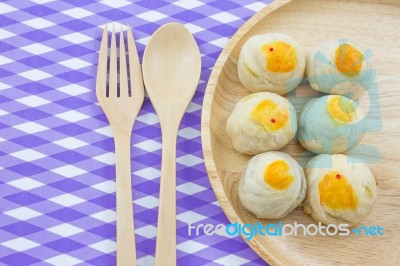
(271, 62)
(339, 67)
(261, 122)
(340, 189)
(272, 185)
(331, 124)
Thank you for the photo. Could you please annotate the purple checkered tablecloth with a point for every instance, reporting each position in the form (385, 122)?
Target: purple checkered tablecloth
(57, 175)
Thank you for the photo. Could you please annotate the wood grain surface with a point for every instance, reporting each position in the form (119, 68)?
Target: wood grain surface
(373, 25)
(121, 113)
(171, 76)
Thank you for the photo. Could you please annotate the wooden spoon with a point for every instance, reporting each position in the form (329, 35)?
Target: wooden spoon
(171, 72)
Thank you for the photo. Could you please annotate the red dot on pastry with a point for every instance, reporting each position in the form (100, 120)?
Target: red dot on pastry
(271, 49)
(273, 120)
(338, 176)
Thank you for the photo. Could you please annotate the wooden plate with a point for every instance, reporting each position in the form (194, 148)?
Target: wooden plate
(371, 24)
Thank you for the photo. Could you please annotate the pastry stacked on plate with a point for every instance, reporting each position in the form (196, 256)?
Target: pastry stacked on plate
(335, 188)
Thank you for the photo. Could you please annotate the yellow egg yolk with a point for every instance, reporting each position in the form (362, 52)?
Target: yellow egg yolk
(341, 109)
(336, 192)
(277, 175)
(271, 116)
(281, 57)
(348, 60)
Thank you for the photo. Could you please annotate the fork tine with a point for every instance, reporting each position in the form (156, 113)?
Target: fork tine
(113, 80)
(123, 75)
(101, 79)
(135, 72)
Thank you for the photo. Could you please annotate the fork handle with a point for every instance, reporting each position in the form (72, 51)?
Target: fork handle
(166, 227)
(126, 248)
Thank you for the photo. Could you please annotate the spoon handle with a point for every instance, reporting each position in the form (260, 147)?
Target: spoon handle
(166, 231)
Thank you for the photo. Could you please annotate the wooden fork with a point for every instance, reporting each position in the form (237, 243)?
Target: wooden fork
(121, 108)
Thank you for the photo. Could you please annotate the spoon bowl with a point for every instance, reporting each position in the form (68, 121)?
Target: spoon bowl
(171, 71)
(171, 67)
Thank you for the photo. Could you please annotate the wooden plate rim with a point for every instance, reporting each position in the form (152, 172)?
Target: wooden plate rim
(264, 250)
